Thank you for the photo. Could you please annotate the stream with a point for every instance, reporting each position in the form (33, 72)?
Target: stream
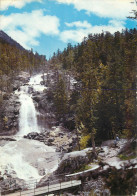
(28, 159)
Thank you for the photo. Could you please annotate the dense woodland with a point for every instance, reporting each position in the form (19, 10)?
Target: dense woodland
(103, 102)
(13, 60)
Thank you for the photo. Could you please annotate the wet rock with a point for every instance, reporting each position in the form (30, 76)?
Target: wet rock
(42, 172)
(49, 144)
(30, 89)
(35, 93)
(58, 150)
(15, 88)
(37, 98)
(42, 82)
(16, 112)
(70, 144)
(36, 138)
(32, 135)
(46, 143)
(51, 140)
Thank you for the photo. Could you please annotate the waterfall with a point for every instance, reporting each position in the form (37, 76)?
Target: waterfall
(24, 158)
(28, 114)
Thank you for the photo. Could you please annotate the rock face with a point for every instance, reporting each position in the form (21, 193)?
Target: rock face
(10, 107)
(9, 184)
(9, 115)
(74, 161)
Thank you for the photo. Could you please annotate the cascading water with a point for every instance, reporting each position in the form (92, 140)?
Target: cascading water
(25, 158)
(28, 114)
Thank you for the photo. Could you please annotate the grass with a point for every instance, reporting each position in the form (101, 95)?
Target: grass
(83, 168)
(126, 157)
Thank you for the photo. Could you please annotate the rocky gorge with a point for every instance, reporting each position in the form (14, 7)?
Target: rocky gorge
(27, 115)
(53, 149)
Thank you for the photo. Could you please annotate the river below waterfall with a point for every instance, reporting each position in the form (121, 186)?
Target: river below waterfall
(28, 159)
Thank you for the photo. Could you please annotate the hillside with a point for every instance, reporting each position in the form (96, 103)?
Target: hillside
(83, 96)
(5, 38)
(14, 60)
(103, 102)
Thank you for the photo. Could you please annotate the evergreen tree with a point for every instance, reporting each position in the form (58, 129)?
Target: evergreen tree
(60, 99)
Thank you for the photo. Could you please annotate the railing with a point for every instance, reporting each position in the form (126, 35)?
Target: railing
(37, 183)
(50, 187)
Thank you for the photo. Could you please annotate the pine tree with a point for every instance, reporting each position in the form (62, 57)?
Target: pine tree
(60, 99)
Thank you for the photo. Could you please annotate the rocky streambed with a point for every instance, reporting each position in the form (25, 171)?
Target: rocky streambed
(59, 137)
(47, 151)
(30, 148)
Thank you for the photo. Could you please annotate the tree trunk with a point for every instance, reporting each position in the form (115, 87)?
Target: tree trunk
(93, 145)
(78, 140)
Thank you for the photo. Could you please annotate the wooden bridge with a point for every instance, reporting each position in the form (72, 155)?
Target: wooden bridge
(45, 190)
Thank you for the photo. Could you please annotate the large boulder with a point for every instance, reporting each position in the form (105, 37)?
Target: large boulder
(16, 85)
(37, 98)
(75, 160)
(109, 143)
(32, 135)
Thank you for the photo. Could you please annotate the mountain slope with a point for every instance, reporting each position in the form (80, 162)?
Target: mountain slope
(4, 37)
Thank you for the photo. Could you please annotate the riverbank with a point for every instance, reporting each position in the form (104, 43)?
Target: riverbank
(51, 150)
(45, 141)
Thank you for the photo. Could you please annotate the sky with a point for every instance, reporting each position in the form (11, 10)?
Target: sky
(48, 25)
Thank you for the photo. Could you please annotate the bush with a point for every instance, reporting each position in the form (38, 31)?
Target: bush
(122, 182)
(84, 141)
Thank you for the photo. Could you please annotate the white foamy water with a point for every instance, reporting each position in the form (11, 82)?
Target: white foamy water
(28, 114)
(35, 83)
(24, 158)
